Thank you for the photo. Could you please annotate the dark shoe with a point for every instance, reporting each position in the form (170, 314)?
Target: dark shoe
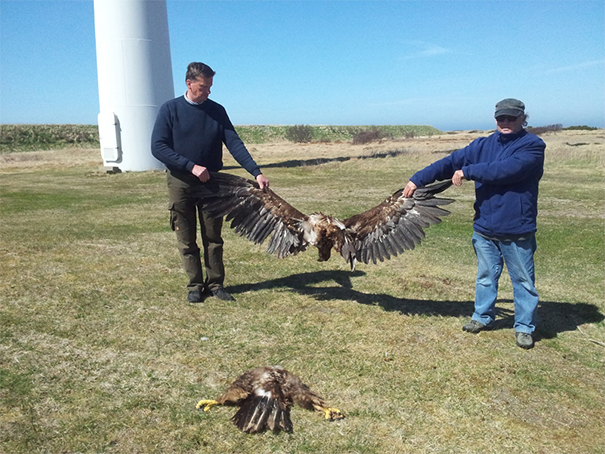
(221, 294)
(474, 327)
(524, 340)
(195, 296)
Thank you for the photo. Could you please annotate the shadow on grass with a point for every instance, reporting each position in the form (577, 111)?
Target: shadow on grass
(319, 161)
(555, 317)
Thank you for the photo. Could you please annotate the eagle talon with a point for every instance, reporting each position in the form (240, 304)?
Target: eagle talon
(207, 404)
(333, 414)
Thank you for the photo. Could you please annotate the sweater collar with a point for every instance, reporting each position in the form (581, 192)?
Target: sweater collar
(191, 102)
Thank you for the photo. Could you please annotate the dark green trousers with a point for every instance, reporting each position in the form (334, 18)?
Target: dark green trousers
(186, 200)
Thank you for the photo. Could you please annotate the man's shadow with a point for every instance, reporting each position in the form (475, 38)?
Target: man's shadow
(555, 317)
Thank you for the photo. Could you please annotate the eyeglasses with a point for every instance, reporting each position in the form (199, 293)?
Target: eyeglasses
(509, 118)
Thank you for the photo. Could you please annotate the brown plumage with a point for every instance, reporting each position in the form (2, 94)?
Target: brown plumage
(265, 395)
(379, 233)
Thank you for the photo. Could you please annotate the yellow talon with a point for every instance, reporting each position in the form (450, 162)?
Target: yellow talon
(207, 404)
(333, 413)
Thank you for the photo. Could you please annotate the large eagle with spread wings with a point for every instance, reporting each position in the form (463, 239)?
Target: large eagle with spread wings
(265, 396)
(386, 230)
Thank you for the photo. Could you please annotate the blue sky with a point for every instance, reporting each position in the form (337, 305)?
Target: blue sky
(440, 63)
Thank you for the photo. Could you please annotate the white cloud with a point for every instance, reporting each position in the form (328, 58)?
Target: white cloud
(576, 67)
(421, 49)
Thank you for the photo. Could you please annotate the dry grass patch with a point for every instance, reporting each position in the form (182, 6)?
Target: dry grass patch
(99, 352)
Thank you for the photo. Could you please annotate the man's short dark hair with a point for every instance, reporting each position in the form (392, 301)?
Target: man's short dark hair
(197, 69)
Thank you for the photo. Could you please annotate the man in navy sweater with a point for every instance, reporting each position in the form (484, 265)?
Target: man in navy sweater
(506, 168)
(188, 138)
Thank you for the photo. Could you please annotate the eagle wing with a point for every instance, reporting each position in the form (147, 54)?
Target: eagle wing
(256, 213)
(397, 223)
(296, 391)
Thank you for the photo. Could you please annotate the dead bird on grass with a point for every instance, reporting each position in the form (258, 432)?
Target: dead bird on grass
(265, 396)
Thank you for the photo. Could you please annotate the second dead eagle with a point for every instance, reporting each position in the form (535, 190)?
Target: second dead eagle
(386, 230)
(265, 396)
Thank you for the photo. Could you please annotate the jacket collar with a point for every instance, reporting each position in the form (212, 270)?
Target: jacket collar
(504, 138)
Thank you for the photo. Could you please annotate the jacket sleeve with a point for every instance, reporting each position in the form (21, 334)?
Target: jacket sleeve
(523, 163)
(162, 143)
(443, 169)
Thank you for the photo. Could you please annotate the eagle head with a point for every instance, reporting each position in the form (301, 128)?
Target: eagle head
(323, 232)
(324, 247)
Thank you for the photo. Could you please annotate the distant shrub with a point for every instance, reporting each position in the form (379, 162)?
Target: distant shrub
(45, 137)
(367, 136)
(300, 133)
(544, 129)
(580, 128)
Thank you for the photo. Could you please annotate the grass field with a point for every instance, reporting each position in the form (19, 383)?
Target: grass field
(100, 353)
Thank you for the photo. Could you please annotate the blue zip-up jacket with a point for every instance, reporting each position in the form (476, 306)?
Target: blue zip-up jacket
(506, 169)
(185, 134)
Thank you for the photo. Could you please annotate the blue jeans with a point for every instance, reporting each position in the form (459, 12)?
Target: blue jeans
(518, 255)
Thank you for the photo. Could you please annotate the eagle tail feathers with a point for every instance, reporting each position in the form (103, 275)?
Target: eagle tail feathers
(259, 413)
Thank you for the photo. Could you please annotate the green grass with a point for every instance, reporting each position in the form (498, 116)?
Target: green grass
(99, 352)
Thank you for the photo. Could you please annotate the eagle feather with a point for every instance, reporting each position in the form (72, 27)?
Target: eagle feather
(378, 234)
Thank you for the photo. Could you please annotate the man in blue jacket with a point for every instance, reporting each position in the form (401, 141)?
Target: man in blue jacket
(506, 168)
(188, 138)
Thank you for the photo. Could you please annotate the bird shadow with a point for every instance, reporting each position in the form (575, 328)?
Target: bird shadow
(554, 317)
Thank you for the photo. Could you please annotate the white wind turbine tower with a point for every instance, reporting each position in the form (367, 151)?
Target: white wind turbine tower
(135, 78)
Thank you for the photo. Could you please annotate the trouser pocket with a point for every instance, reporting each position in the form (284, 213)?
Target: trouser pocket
(172, 217)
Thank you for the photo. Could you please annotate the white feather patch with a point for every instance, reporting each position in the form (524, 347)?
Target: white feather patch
(262, 393)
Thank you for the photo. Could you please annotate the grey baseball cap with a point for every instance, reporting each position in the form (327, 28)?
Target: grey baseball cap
(510, 106)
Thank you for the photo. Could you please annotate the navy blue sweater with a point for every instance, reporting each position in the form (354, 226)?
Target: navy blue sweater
(185, 134)
(506, 169)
